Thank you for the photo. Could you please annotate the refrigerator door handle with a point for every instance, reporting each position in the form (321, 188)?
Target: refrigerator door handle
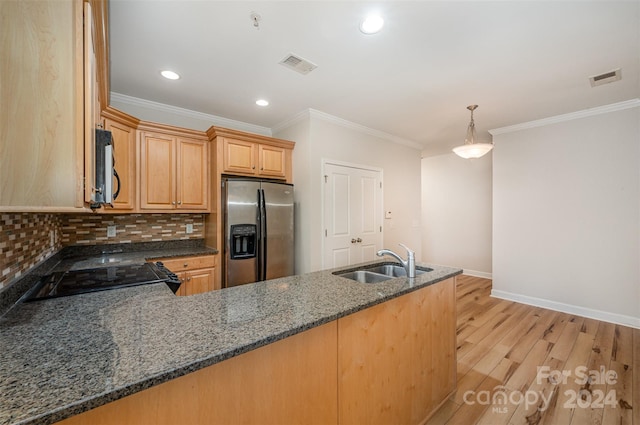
(260, 237)
(263, 235)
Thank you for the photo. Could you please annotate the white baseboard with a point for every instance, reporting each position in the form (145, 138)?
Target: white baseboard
(476, 273)
(604, 316)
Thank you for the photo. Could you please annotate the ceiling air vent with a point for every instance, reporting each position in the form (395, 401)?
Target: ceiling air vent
(298, 64)
(607, 77)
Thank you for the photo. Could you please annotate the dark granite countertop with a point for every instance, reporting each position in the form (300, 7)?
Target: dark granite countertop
(67, 355)
(78, 257)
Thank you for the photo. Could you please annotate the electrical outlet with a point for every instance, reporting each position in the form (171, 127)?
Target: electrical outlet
(111, 231)
(387, 215)
(189, 228)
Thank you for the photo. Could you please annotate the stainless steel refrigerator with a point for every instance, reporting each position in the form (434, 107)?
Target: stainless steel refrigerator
(258, 230)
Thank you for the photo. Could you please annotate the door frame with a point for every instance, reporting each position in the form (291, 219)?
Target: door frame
(325, 162)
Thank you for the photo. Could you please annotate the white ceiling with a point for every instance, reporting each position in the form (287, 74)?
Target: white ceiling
(519, 60)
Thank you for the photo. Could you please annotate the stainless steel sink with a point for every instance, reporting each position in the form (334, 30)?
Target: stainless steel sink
(392, 270)
(378, 273)
(364, 276)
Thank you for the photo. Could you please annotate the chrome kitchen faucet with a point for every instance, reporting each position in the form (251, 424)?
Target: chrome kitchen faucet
(409, 265)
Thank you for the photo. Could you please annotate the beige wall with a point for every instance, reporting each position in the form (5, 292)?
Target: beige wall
(318, 138)
(566, 215)
(456, 212)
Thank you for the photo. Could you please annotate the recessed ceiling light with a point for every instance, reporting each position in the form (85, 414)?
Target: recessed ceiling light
(262, 102)
(371, 24)
(170, 75)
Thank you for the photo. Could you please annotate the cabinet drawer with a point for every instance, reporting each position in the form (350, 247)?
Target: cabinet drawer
(180, 264)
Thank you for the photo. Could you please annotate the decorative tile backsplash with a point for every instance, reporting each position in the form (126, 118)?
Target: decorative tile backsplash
(91, 229)
(26, 239)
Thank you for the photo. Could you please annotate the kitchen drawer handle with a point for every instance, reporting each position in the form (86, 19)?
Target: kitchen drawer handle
(186, 264)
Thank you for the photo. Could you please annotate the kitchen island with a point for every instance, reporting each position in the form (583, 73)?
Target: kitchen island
(325, 340)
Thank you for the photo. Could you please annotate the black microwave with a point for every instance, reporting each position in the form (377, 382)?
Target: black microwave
(105, 171)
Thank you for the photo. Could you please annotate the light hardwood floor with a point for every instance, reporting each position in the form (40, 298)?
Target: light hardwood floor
(519, 364)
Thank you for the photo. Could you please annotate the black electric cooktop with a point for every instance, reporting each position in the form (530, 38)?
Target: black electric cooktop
(74, 282)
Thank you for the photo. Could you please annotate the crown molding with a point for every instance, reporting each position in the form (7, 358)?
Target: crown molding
(627, 104)
(213, 120)
(314, 113)
(289, 122)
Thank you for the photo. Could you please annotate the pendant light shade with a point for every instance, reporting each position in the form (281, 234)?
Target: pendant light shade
(471, 149)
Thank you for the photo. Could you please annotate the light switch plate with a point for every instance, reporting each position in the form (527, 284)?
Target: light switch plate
(111, 231)
(387, 214)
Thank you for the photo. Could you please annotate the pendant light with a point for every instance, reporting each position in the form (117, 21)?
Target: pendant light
(471, 149)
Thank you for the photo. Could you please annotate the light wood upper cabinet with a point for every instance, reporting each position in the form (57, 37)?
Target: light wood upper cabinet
(239, 156)
(53, 74)
(263, 157)
(174, 173)
(271, 161)
(192, 174)
(157, 172)
(254, 159)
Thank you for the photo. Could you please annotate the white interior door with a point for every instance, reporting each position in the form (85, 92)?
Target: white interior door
(352, 215)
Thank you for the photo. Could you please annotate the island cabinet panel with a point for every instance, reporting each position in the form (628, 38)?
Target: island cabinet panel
(291, 381)
(396, 360)
(393, 363)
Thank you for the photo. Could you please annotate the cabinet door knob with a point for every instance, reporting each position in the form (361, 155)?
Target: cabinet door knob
(188, 279)
(353, 241)
(358, 240)
(186, 264)
(253, 167)
(179, 202)
(173, 203)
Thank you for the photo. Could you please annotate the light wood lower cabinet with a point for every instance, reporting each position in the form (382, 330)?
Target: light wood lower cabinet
(196, 273)
(393, 363)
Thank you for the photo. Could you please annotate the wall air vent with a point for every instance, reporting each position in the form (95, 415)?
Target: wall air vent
(607, 77)
(298, 64)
